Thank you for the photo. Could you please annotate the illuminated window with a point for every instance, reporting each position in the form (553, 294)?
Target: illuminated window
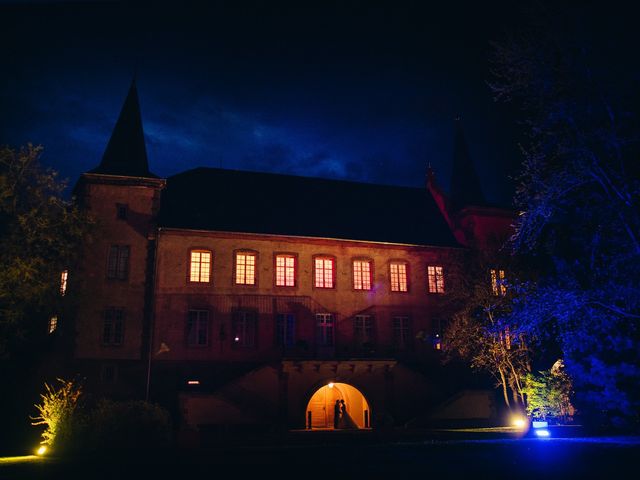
(53, 324)
(121, 211)
(243, 329)
(505, 337)
(401, 332)
(113, 326)
(362, 275)
(285, 329)
(200, 266)
(198, 328)
(285, 271)
(324, 328)
(398, 271)
(324, 272)
(363, 329)
(245, 268)
(436, 279)
(63, 282)
(118, 263)
(497, 282)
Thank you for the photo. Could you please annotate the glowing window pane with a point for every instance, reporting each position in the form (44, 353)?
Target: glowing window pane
(200, 266)
(362, 275)
(436, 279)
(324, 272)
(497, 282)
(285, 271)
(245, 269)
(398, 277)
(63, 282)
(53, 324)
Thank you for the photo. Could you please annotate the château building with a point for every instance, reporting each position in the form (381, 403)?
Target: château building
(251, 299)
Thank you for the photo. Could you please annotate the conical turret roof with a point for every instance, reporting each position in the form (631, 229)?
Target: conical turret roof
(126, 153)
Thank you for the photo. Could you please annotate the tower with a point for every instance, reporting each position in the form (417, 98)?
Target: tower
(472, 220)
(113, 320)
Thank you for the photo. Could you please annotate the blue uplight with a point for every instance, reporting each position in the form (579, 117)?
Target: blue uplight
(542, 432)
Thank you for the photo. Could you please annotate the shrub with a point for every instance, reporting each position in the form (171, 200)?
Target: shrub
(57, 412)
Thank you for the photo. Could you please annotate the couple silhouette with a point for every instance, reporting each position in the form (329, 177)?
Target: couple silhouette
(341, 419)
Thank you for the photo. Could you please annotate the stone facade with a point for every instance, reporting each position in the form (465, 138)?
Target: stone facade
(216, 351)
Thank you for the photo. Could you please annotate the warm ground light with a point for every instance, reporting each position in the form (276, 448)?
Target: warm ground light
(20, 459)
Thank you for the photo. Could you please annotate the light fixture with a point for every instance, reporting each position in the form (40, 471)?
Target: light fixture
(42, 450)
(330, 385)
(519, 422)
(540, 428)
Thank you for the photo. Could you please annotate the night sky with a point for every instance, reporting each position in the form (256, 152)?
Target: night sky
(364, 91)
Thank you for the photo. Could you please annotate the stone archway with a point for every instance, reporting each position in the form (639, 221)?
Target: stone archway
(319, 410)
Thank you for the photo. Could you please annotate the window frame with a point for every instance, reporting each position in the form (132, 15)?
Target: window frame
(407, 276)
(321, 339)
(285, 329)
(367, 260)
(198, 323)
(334, 271)
(406, 337)
(497, 277)
(52, 324)
(294, 256)
(122, 211)
(189, 266)
(248, 252)
(104, 367)
(117, 275)
(64, 282)
(111, 341)
(235, 320)
(439, 286)
(360, 340)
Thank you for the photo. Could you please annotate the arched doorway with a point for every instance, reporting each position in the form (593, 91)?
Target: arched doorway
(320, 407)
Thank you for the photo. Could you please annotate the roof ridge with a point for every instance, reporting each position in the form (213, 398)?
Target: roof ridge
(296, 177)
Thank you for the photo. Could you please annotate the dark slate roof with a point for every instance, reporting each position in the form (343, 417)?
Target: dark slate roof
(250, 202)
(465, 184)
(126, 153)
